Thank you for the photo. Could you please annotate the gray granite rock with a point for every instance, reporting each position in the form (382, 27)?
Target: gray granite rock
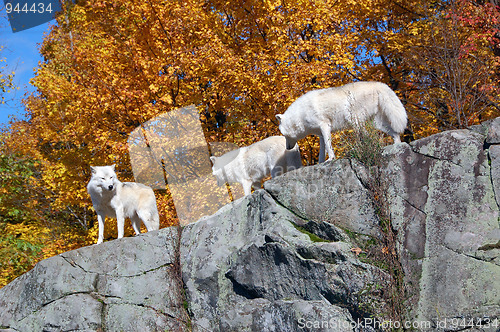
(493, 132)
(446, 217)
(329, 192)
(249, 257)
(112, 286)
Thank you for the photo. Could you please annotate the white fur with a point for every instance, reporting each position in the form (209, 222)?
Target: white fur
(121, 200)
(250, 164)
(319, 112)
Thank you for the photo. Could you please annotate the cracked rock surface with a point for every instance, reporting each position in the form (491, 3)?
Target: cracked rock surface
(445, 211)
(444, 206)
(248, 268)
(282, 257)
(113, 286)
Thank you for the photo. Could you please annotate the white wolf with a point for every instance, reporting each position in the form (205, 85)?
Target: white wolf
(250, 164)
(319, 112)
(121, 200)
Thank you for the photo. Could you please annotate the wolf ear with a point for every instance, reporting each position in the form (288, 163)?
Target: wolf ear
(92, 169)
(113, 166)
(279, 117)
(212, 159)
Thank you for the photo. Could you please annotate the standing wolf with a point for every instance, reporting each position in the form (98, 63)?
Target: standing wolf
(250, 164)
(121, 200)
(319, 112)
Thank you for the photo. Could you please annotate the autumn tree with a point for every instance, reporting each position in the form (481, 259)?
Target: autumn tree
(124, 63)
(20, 243)
(442, 65)
(110, 66)
(6, 80)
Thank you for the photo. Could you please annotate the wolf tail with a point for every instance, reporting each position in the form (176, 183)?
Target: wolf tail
(393, 109)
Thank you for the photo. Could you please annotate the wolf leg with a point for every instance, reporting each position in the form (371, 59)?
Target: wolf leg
(136, 224)
(150, 219)
(321, 157)
(101, 217)
(382, 123)
(247, 187)
(120, 221)
(326, 133)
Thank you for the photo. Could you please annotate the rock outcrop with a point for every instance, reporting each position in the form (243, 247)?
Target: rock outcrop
(264, 274)
(128, 285)
(447, 221)
(287, 258)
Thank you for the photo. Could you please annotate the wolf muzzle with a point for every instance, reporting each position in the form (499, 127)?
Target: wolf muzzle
(110, 187)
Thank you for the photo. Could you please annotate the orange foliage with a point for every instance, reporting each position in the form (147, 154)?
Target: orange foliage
(111, 65)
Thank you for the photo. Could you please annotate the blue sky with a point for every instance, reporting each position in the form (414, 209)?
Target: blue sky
(21, 52)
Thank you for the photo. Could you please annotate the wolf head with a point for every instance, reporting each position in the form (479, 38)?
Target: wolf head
(288, 130)
(104, 177)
